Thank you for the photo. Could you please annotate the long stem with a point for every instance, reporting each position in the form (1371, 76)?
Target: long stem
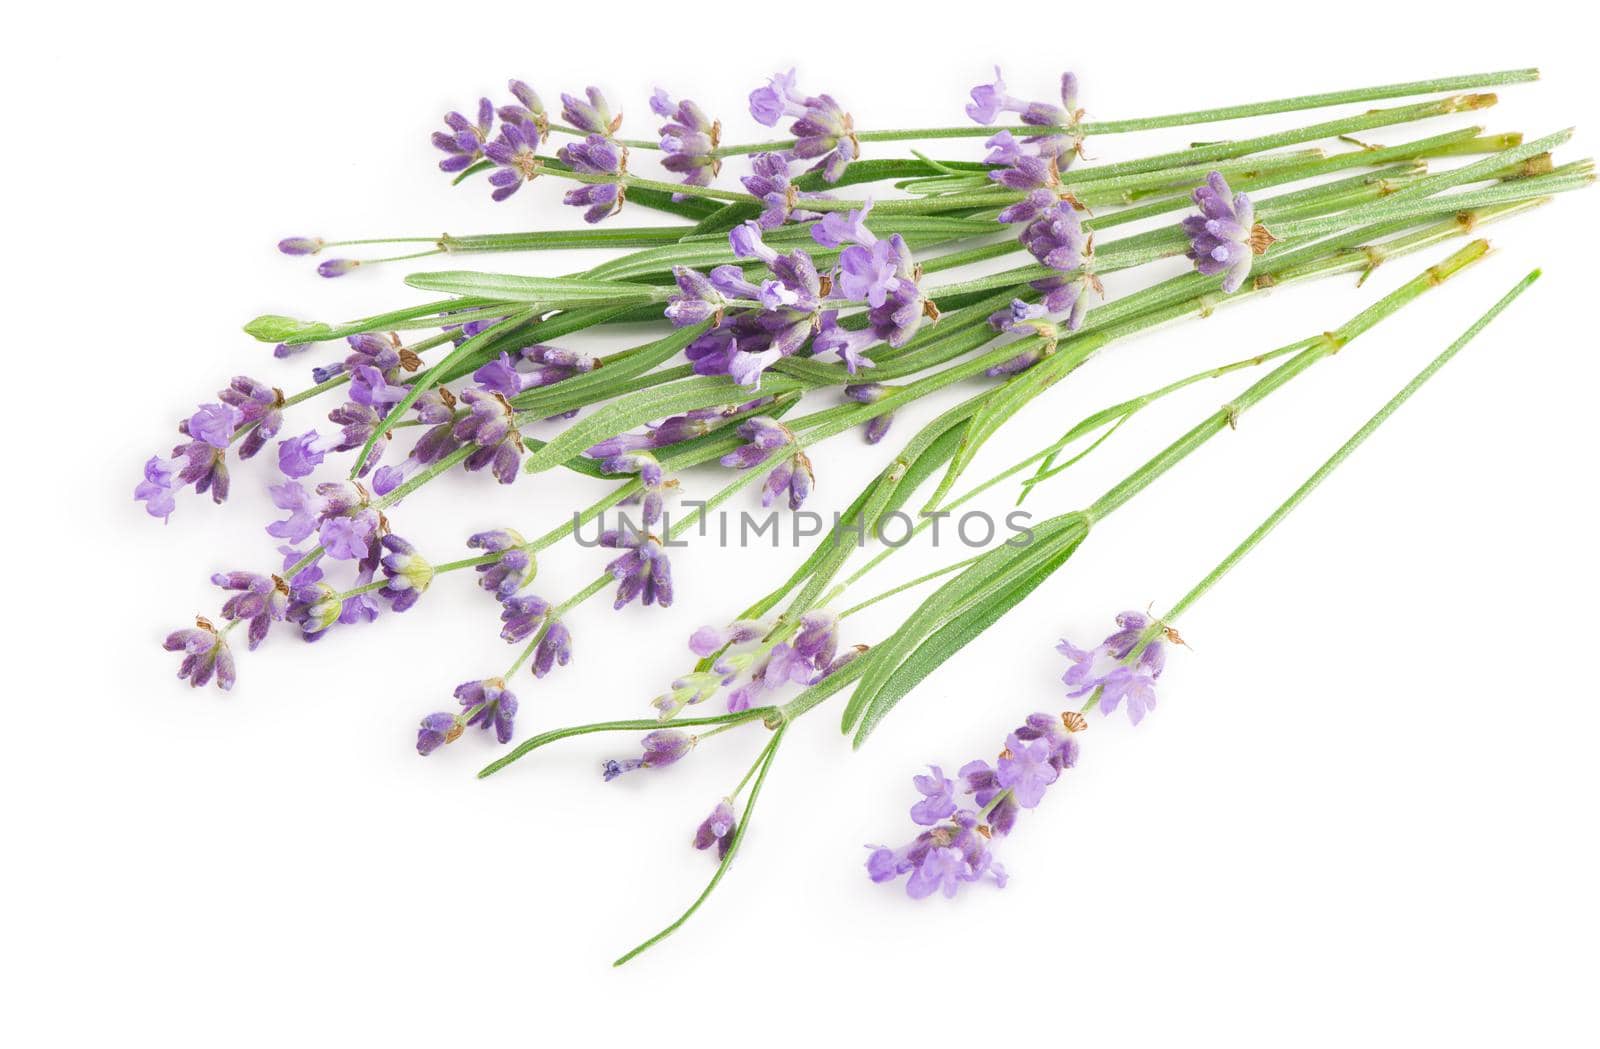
(1321, 473)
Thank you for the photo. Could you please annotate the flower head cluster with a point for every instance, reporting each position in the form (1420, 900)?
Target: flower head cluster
(763, 438)
(1059, 141)
(786, 309)
(490, 423)
(257, 600)
(956, 849)
(1124, 666)
(260, 409)
(643, 570)
(486, 704)
(769, 180)
(689, 139)
(1224, 237)
(515, 153)
(823, 131)
(462, 140)
(522, 615)
(205, 655)
(201, 461)
(879, 272)
(653, 483)
(760, 654)
(596, 155)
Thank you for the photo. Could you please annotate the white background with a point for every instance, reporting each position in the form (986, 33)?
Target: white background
(1364, 809)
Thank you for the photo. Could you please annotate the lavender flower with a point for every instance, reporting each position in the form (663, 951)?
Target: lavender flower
(709, 640)
(1224, 238)
(462, 140)
(512, 570)
(199, 463)
(205, 654)
(301, 245)
(488, 703)
(823, 131)
(871, 393)
(688, 139)
(956, 849)
(1124, 666)
(696, 299)
(437, 730)
(643, 572)
(938, 798)
(653, 483)
(793, 473)
(408, 573)
(592, 116)
(314, 607)
(516, 156)
(555, 649)
(769, 180)
(745, 345)
(596, 155)
(259, 407)
(990, 100)
(490, 423)
(661, 748)
(522, 614)
(551, 364)
(528, 109)
(300, 456)
(717, 829)
(258, 600)
(348, 538)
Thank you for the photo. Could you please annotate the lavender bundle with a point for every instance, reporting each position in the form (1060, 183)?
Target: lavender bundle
(793, 312)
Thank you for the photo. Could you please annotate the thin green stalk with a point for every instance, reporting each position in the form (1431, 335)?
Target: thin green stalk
(1321, 473)
(739, 832)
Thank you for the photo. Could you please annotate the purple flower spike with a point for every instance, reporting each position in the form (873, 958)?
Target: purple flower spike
(490, 424)
(1119, 667)
(301, 245)
(689, 139)
(205, 655)
(990, 100)
(836, 229)
(596, 155)
(513, 570)
(662, 747)
(437, 730)
(258, 599)
(592, 116)
(555, 649)
(462, 140)
(717, 829)
(488, 704)
(1224, 238)
(516, 156)
(644, 572)
(955, 849)
(259, 407)
(408, 573)
(769, 180)
(1056, 238)
(823, 131)
(696, 299)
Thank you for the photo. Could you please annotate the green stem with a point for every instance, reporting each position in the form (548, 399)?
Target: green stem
(1321, 473)
(733, 848)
